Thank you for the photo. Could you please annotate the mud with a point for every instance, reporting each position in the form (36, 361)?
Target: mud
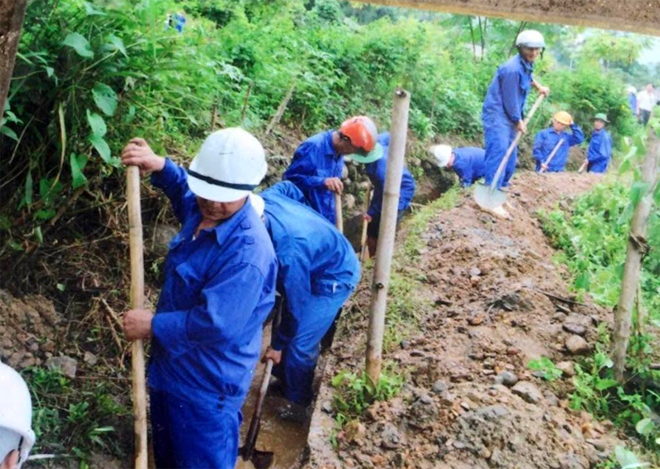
(469, 399)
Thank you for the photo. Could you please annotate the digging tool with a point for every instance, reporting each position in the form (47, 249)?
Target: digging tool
(249, 452)
(137, 302)
(491, 198)
(583, 167)
(339, 219)
(364, 251)
(545, 165)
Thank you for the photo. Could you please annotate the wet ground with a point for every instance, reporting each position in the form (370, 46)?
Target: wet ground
(287, 440)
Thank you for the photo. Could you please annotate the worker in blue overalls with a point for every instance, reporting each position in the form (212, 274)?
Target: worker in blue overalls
(318, 270)
(376, 169)
(318, 162)
(600, 146)
(220, 277)
(503, 109)
(547, 139)
(467, 162)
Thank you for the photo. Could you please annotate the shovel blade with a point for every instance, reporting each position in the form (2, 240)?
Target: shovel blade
(487, 199)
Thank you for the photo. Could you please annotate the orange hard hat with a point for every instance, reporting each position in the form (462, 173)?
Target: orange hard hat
(362, 131)
(563, 117)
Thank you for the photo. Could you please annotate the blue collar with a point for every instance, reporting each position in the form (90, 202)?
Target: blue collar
(327, 142)
(527, 66)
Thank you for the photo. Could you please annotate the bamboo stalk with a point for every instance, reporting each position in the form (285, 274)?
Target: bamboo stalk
(635, 253)
(364, 251)
(387, 233)
(13, 14)
(280, 110)
(339, 216)
(137, 302)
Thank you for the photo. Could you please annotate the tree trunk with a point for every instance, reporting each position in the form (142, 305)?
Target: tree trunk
(637, 248)
(12, 13)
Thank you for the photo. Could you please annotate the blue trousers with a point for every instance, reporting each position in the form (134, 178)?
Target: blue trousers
(498, 138)
(188, 436)
(304, 323)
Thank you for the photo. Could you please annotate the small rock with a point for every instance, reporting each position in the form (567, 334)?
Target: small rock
(528, 391)
(447, 399)
(574, 328)
(551, 399)
(326, 407)
(459, 444)
(355, 432)
(67, 365)
(506, 378)
(475, 272)
(426, 399)
(390, 437)
(476, 319)
(512, 351)
(405, 344)
(349, 201)
(567, 368)
(440, 386)
(577, 345)
(484, 453)
(559, 317)
(90, 358)
(598, 444)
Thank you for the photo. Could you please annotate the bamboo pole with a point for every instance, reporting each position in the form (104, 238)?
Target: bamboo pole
(339, 216)
(364, 250)
(12, 14)
(280, 110)
(551, 157)
(636, 250)
(387, 233)
(137, 302)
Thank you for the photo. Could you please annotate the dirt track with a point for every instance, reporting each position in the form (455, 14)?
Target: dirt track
(491, 285)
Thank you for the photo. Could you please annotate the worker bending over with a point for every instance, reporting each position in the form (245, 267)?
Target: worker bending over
(219, 287)
(467, 162)
(547, 139)
(318, 271)
(376, 169)
(503, 109)
(318, 163)
(600, 146)
(16, 435)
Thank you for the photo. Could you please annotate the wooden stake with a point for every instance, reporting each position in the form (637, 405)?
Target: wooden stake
(364, 250)
(387, 233)
(635, 252)
(339, 216)
(280, 110)
(137, 302)
(245, 103)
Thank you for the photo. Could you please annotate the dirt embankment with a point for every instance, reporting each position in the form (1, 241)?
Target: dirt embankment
(469, 399)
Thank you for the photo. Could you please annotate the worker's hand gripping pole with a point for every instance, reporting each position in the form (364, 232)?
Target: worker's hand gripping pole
(545, 165)
(137, 302)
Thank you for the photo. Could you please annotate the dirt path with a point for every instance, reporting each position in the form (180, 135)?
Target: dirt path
(469, 400)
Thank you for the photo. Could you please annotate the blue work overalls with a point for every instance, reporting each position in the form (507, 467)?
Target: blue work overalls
(600, 151)
(545, 142)
(469, 164)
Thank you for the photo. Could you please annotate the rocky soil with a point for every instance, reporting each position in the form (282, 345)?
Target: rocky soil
(469, 399)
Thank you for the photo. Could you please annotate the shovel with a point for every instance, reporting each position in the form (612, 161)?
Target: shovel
(249, 452)
(491, 198)
(583, 167)
(552, 155)
(364, 251)
(339, 217)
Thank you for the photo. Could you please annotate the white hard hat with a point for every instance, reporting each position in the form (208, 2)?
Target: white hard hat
(632, 89)
(530, 38)
(15, 415)
(442, 154)
(258, 204)
(230, 164)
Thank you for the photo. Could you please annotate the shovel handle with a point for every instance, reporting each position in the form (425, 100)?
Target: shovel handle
(513, 145)
(584, 166)
(137, 302)
(339, 217)
(365, 224)
(552, 155)
(255, 423)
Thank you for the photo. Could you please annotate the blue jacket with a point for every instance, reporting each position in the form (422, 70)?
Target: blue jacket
(600, 151)
(314, 161)
(469, 164)
(218, 291)
(377, 172)
(507, 93)
(314, 258)
(545, 142)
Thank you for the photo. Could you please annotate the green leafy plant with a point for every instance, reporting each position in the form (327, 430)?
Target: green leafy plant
(547, 366)
(355, 393)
